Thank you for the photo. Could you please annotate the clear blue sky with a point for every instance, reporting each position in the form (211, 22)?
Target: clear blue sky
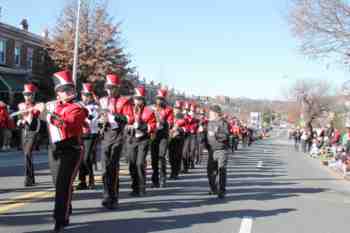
(235, 48)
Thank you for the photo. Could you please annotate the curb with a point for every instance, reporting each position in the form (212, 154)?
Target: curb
(335, 172)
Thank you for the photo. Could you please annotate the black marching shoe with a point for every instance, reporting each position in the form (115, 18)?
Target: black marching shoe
(155, 186)
(109, 204)
(82, 186)
(221, 195)
(58, 228)
(163, 184)
(192, 165)
(213, 192)
(134, 194)
(29, 184)
(92, 183)
(142, 193)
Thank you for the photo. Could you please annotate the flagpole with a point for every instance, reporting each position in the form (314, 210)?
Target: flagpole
(76, 46)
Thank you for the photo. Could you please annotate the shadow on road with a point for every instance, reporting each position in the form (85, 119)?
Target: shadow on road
(142, 225)
(245, 182)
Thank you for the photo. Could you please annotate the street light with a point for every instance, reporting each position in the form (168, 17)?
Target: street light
(76, 46)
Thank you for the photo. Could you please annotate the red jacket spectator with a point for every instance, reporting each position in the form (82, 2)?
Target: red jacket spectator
(336, 137)
(4, 116)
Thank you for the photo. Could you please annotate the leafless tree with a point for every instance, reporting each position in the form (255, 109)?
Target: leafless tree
(323, 27)
(314, 97)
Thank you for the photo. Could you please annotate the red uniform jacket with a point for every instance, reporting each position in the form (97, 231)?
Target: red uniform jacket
(115, 105)
(72, 116)
(179, 124)
(145, 117)
(165, 114)
(192, 124)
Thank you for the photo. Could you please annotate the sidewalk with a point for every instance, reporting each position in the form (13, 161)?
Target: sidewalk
(325, 163)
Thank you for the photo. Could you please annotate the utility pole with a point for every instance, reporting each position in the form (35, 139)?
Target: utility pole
(76, 46)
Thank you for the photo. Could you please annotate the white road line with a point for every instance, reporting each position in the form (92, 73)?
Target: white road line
(260, 164)
(246, 225)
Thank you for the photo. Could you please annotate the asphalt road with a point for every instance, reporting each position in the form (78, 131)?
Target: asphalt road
(271, 189)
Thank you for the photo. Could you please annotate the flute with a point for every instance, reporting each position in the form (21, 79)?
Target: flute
(41, 106)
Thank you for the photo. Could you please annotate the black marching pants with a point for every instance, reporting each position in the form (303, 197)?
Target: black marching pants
(86, 166)
(137, 153)
(159, 147)
(186, 155)
(28, 140)
(64, 158)
(111, 153)
(175, 155)
(194, 148)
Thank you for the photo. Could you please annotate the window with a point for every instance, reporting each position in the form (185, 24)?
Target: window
(18, 55)
(2, 51)
(29, 58)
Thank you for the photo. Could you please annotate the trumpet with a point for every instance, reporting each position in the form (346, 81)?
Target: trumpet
(41, 106)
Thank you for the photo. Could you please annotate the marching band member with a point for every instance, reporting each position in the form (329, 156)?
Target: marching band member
(29, 122)
(202, 134)
(177, 140)
(90, 137)
(193, 126)
(65, 121)
(138, 138)
(186, 154)
(159, 145)
(116, 113)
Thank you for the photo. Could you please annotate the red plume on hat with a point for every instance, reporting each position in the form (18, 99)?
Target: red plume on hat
(30, 88)
(113, 80)
(87, 88)
(140, 91)
(162, 93)
(62, 78)
(178, 104)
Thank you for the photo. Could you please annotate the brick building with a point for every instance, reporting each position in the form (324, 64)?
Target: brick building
(22, 59)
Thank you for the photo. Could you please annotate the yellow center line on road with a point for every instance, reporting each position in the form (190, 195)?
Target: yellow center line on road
(20, 201)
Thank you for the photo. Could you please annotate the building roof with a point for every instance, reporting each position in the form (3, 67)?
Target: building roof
(17, 33)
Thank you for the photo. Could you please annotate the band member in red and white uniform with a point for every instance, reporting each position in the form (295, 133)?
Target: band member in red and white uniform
(90, 137)
(177, 134)
(116, 113)
(138, 138)
(187, 147)
(165, 120)
(202, 134)
(65, 121)
(244, 135)
(193, 130)
(29, 122)
(233, 133)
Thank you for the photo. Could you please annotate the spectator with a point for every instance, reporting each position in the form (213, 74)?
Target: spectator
(335, 137)
(304, 140)
(4, 120)
(297, 138)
